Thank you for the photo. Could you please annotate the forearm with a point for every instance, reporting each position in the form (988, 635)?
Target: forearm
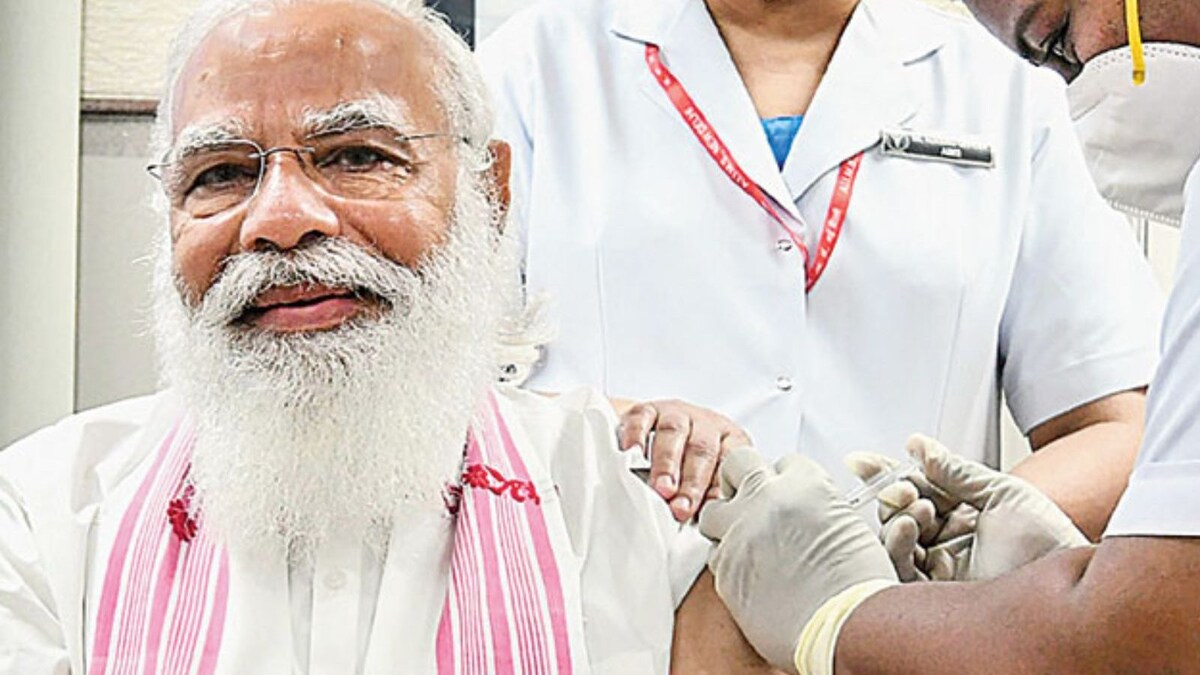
(1085, 472)
(1083, 460)
(1098, 610)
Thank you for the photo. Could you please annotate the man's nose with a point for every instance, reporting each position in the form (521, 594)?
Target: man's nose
(287, 209)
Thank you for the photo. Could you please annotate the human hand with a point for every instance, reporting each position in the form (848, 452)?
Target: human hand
(687, 447)
(983, 524)
(909, 514)
(787, 544)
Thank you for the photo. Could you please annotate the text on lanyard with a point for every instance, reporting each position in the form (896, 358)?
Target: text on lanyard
(839, 204)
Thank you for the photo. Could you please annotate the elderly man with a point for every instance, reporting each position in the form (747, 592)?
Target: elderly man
(808, 582)
(331, 485)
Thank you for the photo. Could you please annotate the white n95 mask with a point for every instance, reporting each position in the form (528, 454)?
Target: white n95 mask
(1140, 142)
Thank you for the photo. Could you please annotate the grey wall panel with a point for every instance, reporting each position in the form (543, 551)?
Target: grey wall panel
(114, 348)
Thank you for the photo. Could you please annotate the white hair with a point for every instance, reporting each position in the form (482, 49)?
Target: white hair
(304, 437)
(457, 82)
(465, 103)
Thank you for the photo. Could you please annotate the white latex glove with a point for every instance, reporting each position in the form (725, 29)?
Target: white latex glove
(787, 543)
(985, 522)
(913, 515)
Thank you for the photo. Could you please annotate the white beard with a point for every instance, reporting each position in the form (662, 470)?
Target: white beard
(300, 436)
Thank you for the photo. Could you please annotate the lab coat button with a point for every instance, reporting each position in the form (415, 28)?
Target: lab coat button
(783, 383)
(784, 245)
(335, 580)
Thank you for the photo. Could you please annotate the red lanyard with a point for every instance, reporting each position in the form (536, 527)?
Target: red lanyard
(835, 218)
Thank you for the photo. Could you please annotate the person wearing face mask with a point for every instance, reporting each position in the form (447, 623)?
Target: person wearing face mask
(814, 590)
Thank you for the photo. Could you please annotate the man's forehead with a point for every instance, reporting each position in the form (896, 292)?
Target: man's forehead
(284, 62)
(344, 116)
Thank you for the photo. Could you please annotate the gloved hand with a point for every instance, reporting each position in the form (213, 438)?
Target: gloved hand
(913, 515)
(792, 557)
(984, 523)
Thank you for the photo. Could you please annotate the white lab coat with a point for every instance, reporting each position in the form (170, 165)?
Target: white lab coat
(950, 284)
(1163, 497)
(625, 562)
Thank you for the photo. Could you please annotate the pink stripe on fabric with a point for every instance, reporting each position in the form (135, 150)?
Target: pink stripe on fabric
(467, 632)
(530, 620)
(543, 549)
(474, 610)
(190, 606)
(477, 611)
(175, 658)
(529, 627)
(505, 588)
(454, 631)
(110, 592)
(190, 610)
(142, 571)
(162, 597)
(460, 586)
(444, 646)
(216, 622)
(157, 584)
(497, 605)
(195, 560)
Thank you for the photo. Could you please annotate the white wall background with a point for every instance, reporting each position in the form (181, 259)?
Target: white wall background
(39, 153)
(125, 45)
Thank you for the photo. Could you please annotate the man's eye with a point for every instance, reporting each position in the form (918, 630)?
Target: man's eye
(358, 158)
(223, 176)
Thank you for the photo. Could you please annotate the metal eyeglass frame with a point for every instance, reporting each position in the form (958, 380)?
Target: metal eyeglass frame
(156, 169)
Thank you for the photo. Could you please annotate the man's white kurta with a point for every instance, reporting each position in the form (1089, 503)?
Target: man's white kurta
(1163, 497)
(625, 564)
(950, 283)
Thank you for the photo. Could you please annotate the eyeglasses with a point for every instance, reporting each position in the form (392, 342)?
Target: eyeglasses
(372, 163)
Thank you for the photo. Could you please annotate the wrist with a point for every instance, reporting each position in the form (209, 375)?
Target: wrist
(815, 647)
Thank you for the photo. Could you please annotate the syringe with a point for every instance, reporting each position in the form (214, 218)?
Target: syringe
(870, 490)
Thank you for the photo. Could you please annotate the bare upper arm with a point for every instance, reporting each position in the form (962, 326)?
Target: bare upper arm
(706, 638)
(1122, 407)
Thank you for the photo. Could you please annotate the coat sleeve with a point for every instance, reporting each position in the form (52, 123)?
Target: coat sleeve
(1163, 497)
(1083, 308)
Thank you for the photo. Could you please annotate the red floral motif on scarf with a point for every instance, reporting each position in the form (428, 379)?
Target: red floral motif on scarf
(486, 477)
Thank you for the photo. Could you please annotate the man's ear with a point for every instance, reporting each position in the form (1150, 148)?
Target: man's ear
(500, 173)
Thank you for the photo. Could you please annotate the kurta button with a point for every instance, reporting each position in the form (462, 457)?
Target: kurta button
(784, 245)
(335, 580)
(783, 383)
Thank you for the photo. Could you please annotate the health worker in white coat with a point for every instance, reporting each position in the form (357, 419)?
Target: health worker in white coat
(1128, 605)
(835, 221)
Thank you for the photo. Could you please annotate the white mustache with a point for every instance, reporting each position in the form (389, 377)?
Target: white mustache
(332, 261)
